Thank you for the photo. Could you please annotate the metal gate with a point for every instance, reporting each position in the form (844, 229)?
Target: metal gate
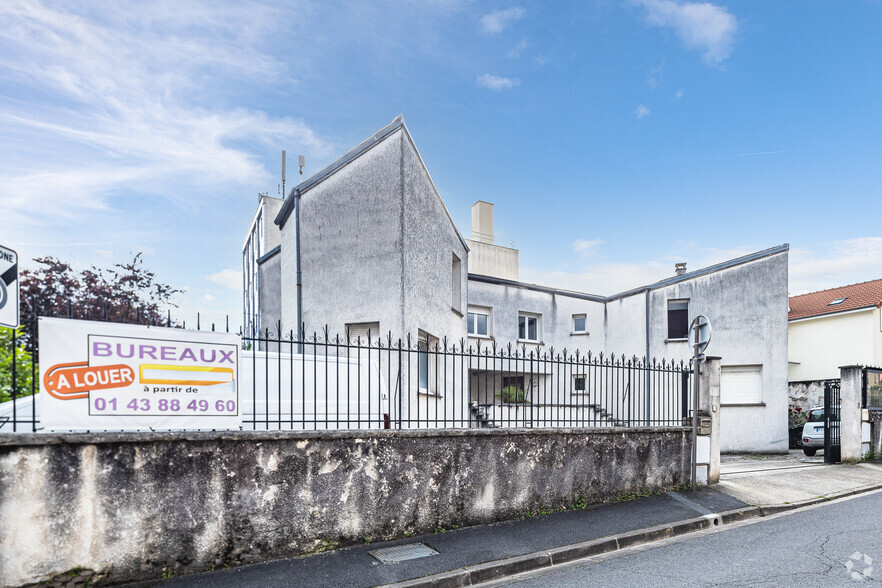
(832, 423)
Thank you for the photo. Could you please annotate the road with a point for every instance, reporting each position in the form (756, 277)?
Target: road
(835, 544)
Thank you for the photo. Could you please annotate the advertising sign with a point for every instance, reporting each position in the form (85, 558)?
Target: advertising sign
(108, 376)
(8, 288)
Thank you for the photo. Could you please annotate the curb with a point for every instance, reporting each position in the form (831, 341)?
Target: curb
(494, 570)
(776, 508)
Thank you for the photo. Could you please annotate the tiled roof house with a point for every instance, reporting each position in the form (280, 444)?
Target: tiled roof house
(832, 328)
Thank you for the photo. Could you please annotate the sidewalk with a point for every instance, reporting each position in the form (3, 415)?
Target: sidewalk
(775, 482)
(355, 567)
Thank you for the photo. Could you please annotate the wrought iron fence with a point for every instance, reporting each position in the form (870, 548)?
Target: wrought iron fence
(323, 381)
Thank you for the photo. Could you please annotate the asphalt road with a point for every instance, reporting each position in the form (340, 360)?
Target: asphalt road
(836, 544)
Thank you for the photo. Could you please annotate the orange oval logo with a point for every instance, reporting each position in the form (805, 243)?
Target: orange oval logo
(68, 381)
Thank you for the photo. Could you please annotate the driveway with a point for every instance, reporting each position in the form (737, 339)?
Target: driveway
(780, 479)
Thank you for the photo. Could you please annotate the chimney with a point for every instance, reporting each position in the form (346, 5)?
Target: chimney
(680, 268)
(482, 222)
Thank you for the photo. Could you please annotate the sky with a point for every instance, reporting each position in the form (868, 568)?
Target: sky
(614, 138)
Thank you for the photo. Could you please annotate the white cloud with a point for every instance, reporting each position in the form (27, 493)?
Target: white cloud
(228, 278)
(702, 26)
(208, 297)
(642, 112)
(496, 22)
(838, 263)
(497, 82)
(823, 266)
(132, 102)
(655, 75)
(517, 50)
(680, 93)
(585, 247)
(608, 278)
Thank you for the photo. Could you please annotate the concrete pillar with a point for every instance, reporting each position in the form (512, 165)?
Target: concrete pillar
(851, 387)
(709, 414)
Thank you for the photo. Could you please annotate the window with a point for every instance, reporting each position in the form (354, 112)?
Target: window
(837, 301)
(362, 332)
(580, 384)
(427, 345)
(479, 322)
(423, 354)
(741, 384)
(580, 324)
(678, 319)
(516, 381)
(251, 253)
(456, 303)
(874, 389)
(528, 327)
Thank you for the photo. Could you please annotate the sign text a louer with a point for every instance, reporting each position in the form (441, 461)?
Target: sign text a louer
(108, 376)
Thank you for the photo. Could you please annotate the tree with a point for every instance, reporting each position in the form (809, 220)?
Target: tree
(125, 293)
(24, 366)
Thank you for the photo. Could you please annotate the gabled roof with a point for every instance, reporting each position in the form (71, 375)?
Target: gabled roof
(362, 148)
(853, 297)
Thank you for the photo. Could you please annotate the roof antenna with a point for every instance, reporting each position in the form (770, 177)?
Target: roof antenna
(301, 161)
(283, 173)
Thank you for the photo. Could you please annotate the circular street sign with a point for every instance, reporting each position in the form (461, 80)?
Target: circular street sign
(700, 333)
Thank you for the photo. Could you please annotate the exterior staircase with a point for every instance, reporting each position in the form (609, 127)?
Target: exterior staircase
(479, 414)
(483, 416)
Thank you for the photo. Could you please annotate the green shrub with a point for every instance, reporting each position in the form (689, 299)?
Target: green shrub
(512, 394)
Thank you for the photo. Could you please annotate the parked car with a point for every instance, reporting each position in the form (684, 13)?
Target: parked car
(813, 430)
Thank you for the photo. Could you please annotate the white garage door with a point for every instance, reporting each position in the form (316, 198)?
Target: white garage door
(741, 384)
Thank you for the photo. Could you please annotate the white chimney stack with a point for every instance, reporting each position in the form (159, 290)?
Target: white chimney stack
(680, 268)
(482, 222)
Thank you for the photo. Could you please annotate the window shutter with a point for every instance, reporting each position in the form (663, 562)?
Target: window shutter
(741, 385)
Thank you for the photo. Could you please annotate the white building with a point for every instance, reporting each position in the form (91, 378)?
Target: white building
(367, 244)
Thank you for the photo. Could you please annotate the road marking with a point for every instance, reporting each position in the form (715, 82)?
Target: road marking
(761, 470)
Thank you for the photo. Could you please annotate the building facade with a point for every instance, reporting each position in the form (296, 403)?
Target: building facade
(368, 246)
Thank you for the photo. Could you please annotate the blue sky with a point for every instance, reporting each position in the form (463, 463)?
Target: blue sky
(615, 138)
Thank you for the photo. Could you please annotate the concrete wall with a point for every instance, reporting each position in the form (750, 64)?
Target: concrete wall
(807, 395)
(493, 260)
(351, 244)
(142, 506)
(625, 321)
(272, 235)
(877, 337)
(818, 346)
(747, 307)
(377, 246)
(430, 242)
(270, 289)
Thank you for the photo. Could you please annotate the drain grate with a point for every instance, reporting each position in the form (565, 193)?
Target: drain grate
(401, 553)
